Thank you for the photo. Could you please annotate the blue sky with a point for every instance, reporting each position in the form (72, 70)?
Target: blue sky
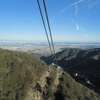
(70, 20)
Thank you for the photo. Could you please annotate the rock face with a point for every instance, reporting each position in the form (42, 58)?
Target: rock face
(23, 77)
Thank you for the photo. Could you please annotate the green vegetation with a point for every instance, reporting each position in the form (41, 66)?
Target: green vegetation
(75, 91)
(17, 71)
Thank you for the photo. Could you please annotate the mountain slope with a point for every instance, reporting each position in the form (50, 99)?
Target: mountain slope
(23, 77)
(85, 62)
(18, 71)
(77, 59)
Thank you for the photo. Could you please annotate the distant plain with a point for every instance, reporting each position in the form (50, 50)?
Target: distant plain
(43, 48)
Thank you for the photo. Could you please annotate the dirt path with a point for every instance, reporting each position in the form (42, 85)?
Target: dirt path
(42, 80)
(36, 95)
(56, 82)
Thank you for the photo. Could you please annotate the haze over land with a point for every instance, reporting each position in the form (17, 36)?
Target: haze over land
(43, 47)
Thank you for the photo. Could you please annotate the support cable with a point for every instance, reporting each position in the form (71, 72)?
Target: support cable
(87, 72)
(49, 30)
(44, 26)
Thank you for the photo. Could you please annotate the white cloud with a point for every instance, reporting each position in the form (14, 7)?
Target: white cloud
(92, 3)
(76, 9)
(76, 12)
(55, 16)
(84, 32)
(77, 26)
(74, 4)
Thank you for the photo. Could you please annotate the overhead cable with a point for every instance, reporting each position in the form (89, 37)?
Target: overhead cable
(49, 29)
(44, 26)
(87, 72)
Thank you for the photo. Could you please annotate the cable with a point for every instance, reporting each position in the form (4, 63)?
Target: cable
(49, 29)
(87, 72)
(44, 26)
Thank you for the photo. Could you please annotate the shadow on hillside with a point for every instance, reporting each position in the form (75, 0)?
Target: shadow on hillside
(44, 58)
(58, 95)
(70, 57)
(85, 62)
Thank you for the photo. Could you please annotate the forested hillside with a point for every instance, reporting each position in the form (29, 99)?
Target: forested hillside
(17, 72)
(23, 77)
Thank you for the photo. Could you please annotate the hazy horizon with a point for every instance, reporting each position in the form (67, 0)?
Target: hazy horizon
(37, 41)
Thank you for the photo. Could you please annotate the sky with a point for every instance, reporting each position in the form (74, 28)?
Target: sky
(70, 20)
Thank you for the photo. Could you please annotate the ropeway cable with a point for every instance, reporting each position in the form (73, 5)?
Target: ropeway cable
(49, 30)
(44, 26)
(52, 51)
